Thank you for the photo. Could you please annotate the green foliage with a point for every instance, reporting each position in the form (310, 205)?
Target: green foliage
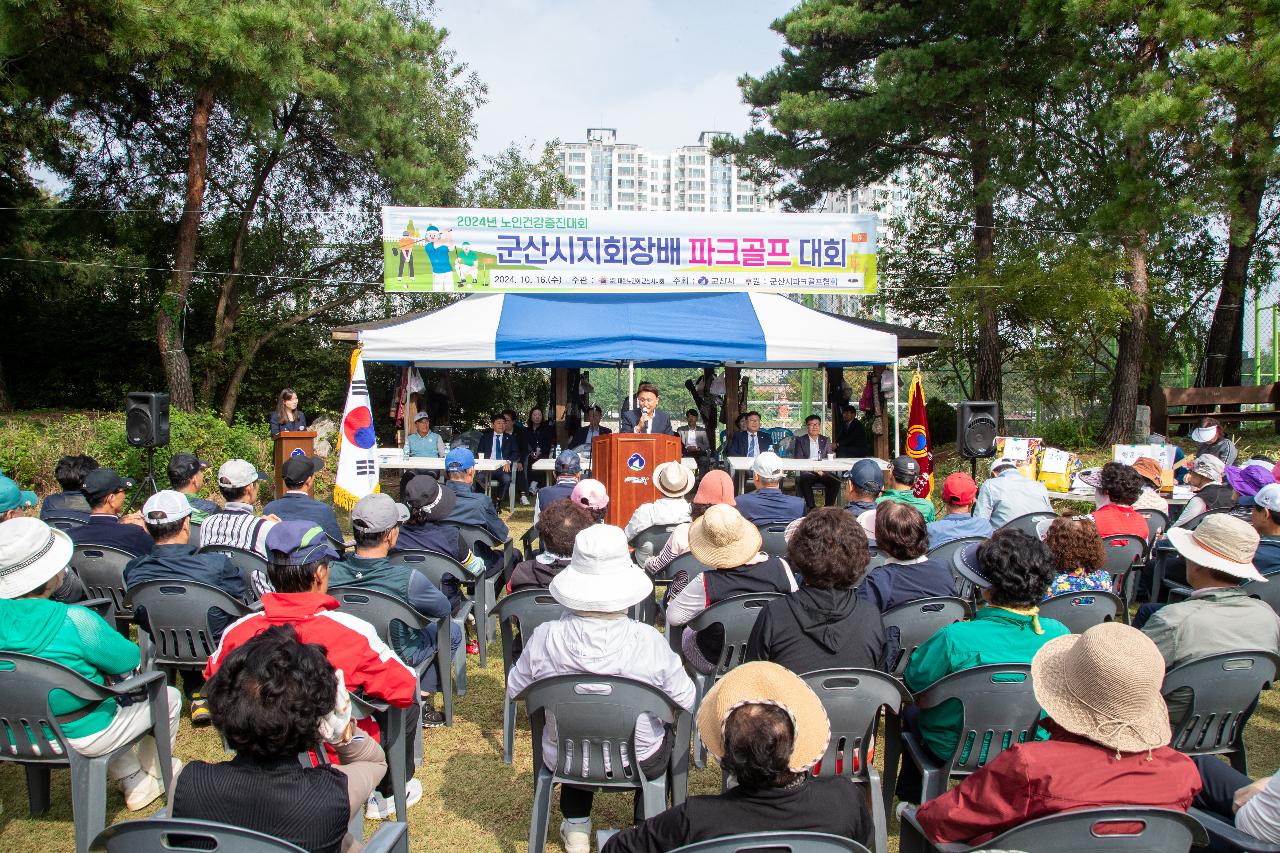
(513, 180)
(942, 420)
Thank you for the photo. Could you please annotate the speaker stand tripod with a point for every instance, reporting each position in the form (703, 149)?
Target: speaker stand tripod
(140, 492)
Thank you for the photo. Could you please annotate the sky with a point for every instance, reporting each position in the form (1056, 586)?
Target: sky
(659, 71)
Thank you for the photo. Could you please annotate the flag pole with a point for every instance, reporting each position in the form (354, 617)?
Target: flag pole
(897, 448)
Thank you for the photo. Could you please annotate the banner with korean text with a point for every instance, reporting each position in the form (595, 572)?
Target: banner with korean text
(552, 251)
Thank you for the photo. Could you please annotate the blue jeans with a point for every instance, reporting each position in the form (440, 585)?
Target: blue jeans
(431, 675)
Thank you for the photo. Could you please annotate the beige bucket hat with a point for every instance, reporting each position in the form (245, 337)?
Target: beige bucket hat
(1220, 542)
(723, 539)
(765, 683)
(673, 479)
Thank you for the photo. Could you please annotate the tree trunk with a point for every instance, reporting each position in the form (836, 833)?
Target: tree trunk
(6, 405)
(1118, 427)
(987, 385)
(173, 307)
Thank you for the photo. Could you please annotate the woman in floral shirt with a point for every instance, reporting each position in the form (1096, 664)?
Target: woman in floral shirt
(1078, 556)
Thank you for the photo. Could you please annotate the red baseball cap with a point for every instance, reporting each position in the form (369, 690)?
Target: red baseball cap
(960, 489)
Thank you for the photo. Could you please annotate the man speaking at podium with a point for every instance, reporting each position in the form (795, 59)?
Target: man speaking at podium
(647, 418)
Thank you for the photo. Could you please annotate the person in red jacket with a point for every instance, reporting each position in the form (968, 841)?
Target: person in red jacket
(299, 571)
(1116, 487)
(1110, 730)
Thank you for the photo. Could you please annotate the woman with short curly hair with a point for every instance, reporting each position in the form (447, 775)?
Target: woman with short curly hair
(1078, 556)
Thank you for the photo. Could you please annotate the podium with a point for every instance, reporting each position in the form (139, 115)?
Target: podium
(624, 462)
(287, 444)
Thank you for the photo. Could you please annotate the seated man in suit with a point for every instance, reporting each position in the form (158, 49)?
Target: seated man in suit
(851, 438)
(693, 440)
(497, 443)
(473, 508)
(751, 442)
(584, 435)
(646, 418)
(768, 503)
(814, 445)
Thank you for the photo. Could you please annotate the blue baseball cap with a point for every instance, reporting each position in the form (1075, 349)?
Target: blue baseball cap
(459, 459)
(14, 497)
(867, 476)
(296, 543)
(568, 462)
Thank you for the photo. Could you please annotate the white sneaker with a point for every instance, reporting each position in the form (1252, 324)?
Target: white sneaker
(576, 837)
(384, 808)
(524, 500)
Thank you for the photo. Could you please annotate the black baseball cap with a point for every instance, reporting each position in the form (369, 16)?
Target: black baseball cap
(297, 469)
(905, 469)
(184, 466)
(101, 482)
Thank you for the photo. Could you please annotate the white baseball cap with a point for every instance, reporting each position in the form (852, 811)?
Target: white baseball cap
(166, 507)
(1268, 497)
(238, 473)
(767, 466)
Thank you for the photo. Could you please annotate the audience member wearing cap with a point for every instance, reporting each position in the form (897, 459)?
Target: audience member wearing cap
(238, 525)
(825, 623)
(106, 491)
(271, 699)
(749, 442)
(907, 573)
(1115, 488)
(70, 502)
(903, 473)
(558, 529)
(375, 522)
(766, 727)
(568, 470)
(1218, 616)
(1210, 439)
(673, 482)
(429, 503)
(473, 508)
(1266, 520)
(1006, 495)
(586, 434)
(1210, 493)
(597, 638)
(297, 503)
(1108, 745)
(424, 441)
(1079, 557)
(814, 445)
(299, 571)
(768, 504)
(33, 560)
(591, 494)
(14, 500)
(186, 476)
(716, 487)
(1152, 475)
(863, 484)
(959, 493)
(1012, 570)
(726, 542)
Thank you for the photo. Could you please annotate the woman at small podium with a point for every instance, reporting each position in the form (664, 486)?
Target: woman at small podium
(287, 417)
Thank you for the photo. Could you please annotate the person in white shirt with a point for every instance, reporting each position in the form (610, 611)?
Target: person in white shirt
(673, 482)
(595, 637)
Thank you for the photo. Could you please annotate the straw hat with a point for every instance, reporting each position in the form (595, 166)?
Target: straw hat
(673, 479)
(765, 683)
(1104, 684)
(31, 552)
(716, 488)
(601, 576)
(723, 539)
(1220, 542)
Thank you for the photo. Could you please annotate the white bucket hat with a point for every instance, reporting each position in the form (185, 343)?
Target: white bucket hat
(601, 576)
(673, 479)
(31, 552)
(1221, 543)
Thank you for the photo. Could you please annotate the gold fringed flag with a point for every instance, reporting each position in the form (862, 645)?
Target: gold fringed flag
(357, 457)
(918, 438)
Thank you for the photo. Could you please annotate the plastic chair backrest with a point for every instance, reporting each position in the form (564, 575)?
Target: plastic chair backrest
(1080, 611)
(1157, 831)
(853, 699)
(161, 835)
(25, 684)
(655, 537)
(379, 609)
(526, 541)
(775, 842)
(919, 620)
(686, 563)
(1157, 523)
(473, 533)
(63, 522)
(178, 612)
(1268, 592)
(1027, 523)
(1224, 687)
(433, 564)
(1122, 551)
(1000, 710)
(248, 562)
(778, 434)
(947, 550)
(101, 570)
(737, 615)
(1195, 522)
(595, 721)
(527, 608)
(774, 538)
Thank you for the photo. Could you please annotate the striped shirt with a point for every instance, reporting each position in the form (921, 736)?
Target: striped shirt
(237, 527)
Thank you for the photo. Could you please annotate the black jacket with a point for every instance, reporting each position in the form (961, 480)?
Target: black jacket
(814, 629)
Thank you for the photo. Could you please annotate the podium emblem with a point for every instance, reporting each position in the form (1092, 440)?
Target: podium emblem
(635, 462)
(298, 451)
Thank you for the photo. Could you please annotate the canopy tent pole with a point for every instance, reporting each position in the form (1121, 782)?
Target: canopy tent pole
(822, 404)
(631, 384)
(896, 432)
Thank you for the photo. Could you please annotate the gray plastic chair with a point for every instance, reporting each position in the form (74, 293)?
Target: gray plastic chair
(686, 563)
(1225, 836)
(1005, 710)
(1162, 831)
(533, 534)
(946, 551)
(527, 608)
(1027, 523)
(854, 700)
(1268, 592)
(177, 612)
(64, 523)
(775, 842)
(774, 538)
(1225, 688)
(737, 615)
(101, 570)
(483, 592)
(381, 610)
(649, 542)
(164, 835)
(595, 720)
(1125, 556)
(919, 620)
(1157, 524)
(251, 564)
(1080, 611)
(25, 684)
(391, 733)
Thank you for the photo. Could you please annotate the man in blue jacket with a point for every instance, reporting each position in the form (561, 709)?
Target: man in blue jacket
(105, 491)
(297, 504)
(471, 507)
(768, 503)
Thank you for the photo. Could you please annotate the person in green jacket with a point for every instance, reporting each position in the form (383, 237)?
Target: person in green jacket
(33, 562)
(905, 471)
(1013, 569)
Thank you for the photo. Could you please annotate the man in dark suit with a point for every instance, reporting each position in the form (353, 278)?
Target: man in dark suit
(750, 442)
(647, 418)
(498, 443)
(591, 430)
(814, 445)
(851, 438)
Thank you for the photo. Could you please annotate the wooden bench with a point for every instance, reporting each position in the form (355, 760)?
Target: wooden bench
(1215, 398)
